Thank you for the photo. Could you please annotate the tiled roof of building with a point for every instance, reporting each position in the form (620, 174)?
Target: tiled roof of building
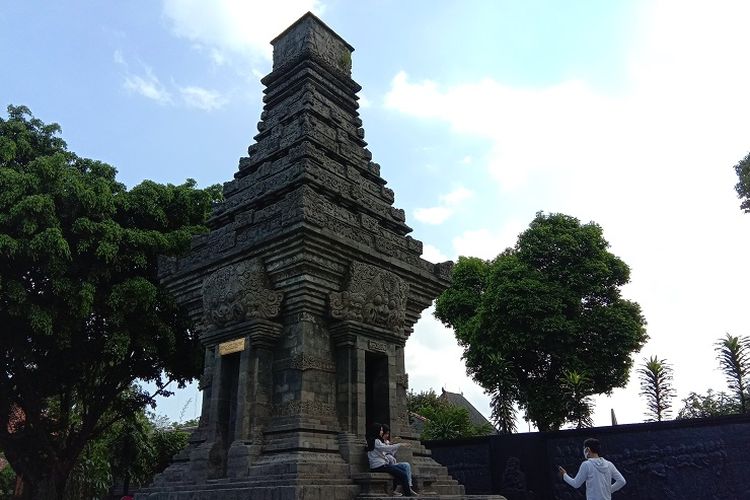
(417, 421)
(459, 400)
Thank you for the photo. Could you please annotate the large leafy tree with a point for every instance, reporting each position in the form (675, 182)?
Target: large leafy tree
(550, 305)
(656, 386)
(734, 359)
(82, 313)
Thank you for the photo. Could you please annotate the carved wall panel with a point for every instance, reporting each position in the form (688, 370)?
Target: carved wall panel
(374, 296)
(306, 408)
(239, 292)
(308, 362)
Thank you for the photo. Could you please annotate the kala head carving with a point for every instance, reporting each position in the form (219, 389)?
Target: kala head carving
(239, 292)
(375, 296)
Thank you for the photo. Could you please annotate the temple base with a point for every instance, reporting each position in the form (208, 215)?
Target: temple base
(340, 473)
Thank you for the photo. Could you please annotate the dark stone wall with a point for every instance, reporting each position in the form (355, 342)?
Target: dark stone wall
(687, 459)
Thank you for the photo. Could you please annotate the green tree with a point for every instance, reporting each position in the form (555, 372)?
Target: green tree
(415, 401)
(91, 476)
(444, 420)
(547, 306)
(712, 404)
(132, 450)
(576, 393)
(82, 310)
(504, 395)
(447, 422)
(734, 359)
(656, 386)
(743, 185)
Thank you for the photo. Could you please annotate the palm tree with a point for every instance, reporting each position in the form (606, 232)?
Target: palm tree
(734, 359)
(503, 412)
(656, 386)
(577, 392)
(504, 392)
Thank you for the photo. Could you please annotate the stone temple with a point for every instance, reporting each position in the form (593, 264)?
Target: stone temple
(304, 293)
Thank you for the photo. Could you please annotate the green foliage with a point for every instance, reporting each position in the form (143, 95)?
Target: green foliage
(167, 441)
(547, 306)
(415, 401)
(656, 386)
(734, 359)
(444, 420)
(92, 475)
(576, 389)
(7, 482)
(82, 310)
(712, 404)
(136, 448)
(743, 185)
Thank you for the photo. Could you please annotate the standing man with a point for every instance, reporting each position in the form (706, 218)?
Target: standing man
(597, 472)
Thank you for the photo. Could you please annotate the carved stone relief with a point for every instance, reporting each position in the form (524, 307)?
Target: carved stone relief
(306, 408)
(374, 345)
(374, 296)
(238, 292)
(307, 362)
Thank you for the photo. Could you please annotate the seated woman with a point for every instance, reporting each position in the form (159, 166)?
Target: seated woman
(377, 455)
(391, 457)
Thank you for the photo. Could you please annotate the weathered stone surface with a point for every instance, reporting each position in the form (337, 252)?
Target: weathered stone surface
(304, 292)
(374, 296)
(238, 292)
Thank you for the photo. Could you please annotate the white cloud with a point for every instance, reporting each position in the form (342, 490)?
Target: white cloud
(651, 163)
(218, 57)
(457, 196)
(466, 160)
(117, 57)
(434, 215)
(433, 254)
(204, 99)
(235, 27)
(480, 243)
(488, 243)
(364, 102)
(449, 203)
(148, 86)
(567, 116)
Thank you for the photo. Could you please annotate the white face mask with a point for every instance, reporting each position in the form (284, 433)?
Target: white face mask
(585, 453)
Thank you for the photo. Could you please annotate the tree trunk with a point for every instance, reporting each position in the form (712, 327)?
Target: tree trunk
(47, 487)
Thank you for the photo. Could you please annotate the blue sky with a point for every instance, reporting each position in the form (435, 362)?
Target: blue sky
(481, 113)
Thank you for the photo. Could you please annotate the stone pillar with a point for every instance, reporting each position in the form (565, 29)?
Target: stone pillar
(253, 396)
(400, 417)
(346, 358)
(200, 466)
